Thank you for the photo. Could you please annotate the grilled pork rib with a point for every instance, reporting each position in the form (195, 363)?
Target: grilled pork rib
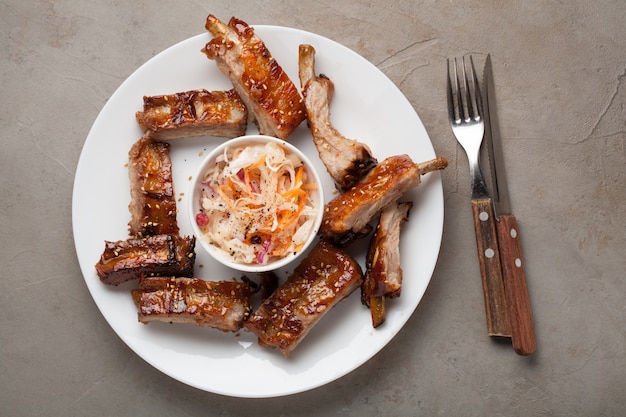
(383, 273)
(153, 205)
(193, 113)
(346, 160)
(125, 260)
(350, 211)
(324, 278)
(262, 84)
(222, 305)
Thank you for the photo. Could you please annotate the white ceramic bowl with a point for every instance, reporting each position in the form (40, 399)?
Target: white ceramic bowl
(196, 190)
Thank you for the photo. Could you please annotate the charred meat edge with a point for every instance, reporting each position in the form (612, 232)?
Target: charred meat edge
(125, 260)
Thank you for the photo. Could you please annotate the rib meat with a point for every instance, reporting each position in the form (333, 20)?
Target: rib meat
(383, 276)
(350, 212)
(222, 305)
(193, 113)
(129, 259)
(153, 205)
(346, 160)
(324, 278)
(383, 273)
(262, 84)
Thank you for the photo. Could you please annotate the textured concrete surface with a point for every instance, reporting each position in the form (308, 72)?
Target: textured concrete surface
(560, 69)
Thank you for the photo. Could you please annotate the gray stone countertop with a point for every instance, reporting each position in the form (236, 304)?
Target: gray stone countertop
(560, 70)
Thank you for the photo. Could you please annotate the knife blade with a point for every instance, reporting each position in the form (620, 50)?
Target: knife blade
(513, 274)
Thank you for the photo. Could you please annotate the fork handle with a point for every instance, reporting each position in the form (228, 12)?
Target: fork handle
(490, 267)
(518, 301)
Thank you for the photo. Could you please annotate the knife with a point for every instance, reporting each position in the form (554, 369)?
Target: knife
(513, 274)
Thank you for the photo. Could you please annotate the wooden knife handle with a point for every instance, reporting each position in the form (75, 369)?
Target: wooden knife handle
(490, 268)
(518, 301)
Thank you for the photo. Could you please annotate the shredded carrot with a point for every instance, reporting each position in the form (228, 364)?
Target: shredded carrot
(309, 187)
(225, 197)
(299, 175)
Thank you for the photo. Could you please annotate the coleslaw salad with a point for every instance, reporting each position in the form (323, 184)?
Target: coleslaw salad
(258, 202)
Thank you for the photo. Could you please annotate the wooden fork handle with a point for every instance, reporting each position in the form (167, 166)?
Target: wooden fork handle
(490, 268)
(515, 288)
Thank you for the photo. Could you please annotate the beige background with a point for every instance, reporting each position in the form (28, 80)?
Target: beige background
(560, 69)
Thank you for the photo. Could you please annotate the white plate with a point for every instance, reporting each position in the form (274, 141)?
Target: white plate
(366, 106)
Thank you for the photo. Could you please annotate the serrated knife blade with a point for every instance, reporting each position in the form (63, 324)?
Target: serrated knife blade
(513, 273)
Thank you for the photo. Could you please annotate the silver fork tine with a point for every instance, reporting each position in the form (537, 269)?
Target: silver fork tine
(477, 101)
(458, 99)
(462, 91)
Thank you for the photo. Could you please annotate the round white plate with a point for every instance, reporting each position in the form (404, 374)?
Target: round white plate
(366, 106)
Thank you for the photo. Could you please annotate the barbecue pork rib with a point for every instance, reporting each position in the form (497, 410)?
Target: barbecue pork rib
(266, 89)
(351, 211)
(193, 113)
(324, 278)
(153, 204)
(383, 273)
(346, 160)
(129, 259)
(223, 305)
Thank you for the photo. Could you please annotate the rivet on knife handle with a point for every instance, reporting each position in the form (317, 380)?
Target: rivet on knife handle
(517, 299)
(490, 268)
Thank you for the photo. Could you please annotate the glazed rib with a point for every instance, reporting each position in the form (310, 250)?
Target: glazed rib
(262, 84)
(223, 305)
(324, 278)
(153, 205)
(346, 160)
(385, 183)
(193, 113)
(383, 273)
(129, 259)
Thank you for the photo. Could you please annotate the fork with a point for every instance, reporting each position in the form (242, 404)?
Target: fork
(465, 111)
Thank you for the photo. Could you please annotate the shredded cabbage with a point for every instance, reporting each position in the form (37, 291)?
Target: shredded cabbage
(259, 204)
